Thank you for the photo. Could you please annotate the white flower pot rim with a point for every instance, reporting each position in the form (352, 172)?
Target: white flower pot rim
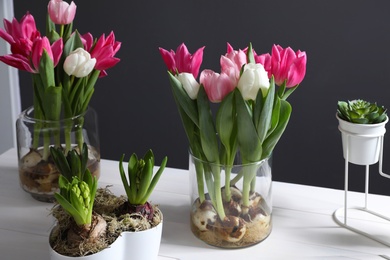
(123, 246)
(362, 130)
(362, 125)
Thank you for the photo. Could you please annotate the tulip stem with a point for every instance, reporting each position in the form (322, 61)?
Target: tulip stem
(228, 193)
(199, 180)
(62, 30)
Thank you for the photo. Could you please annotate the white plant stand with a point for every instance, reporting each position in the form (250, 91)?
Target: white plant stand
(340, 216)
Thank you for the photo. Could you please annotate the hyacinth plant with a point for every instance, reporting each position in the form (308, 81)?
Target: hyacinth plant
(140, 182)
(77, 194)
(64, 65)
(359, 111)
(251, 91)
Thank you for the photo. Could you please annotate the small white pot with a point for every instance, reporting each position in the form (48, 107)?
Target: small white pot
(134, 245)
(361, 142)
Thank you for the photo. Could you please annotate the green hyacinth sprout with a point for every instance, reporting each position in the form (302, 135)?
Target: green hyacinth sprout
(361, 112)
(140, 181)
(77, 185)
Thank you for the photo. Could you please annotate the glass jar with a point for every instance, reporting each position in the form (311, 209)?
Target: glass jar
(231, 206)
(37, 172)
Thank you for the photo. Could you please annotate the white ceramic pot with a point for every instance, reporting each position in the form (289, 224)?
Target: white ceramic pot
(361, 142)
(136, 245)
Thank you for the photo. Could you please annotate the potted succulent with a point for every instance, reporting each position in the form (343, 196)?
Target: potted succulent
(93, 223)
(361, 123)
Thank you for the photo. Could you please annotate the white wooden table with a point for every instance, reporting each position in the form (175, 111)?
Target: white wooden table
(303, 227)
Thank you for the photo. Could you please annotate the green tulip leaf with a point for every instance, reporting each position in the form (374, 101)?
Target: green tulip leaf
(207, 130)
(248, 140)
(262, 113)
(271, 141)
(183, 100)
(226, 127)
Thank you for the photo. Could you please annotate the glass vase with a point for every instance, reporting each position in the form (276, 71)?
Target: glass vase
(37, 172)
(231, 206)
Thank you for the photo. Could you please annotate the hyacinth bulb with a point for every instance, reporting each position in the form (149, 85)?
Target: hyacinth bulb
(361, 112)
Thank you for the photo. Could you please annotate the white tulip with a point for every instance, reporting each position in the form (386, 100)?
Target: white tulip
(190, 85)
(252, 79)
(79, 63)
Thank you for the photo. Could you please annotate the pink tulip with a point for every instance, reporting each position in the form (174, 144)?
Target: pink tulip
(182, 60)
(61, 12)
(20, 35)
(87, 40)
(54, 51)
(288, 66)
(216, 85)
(233, 60)
(265, 60)
(103, 51)
(18, 61)
(31, 63)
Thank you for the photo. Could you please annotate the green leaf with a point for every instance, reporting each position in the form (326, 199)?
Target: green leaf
(248, 141)
(75, 164)
(149, 156)
(226, 127)
(183, 100)
(39, 90)
(67, 31)
(50, 26)
(63, 182)
(84, 159)
(250, 55)
(275, 115)
(263, 112)
(46, 70)
(282, 89)
(66, 102)
(154, 181)
(188, 125)
(72, 44)
(123, 178)
(61, 163)
(207, 130)
(52, 102)
(51, 32)
(272, 139)
(68, 207)
(132, 173)
(146, 178)
(289, 91)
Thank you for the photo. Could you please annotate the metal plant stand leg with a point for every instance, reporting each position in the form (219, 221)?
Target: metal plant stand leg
(365, 208)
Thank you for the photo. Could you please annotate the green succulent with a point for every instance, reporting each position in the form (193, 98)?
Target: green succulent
(140, 181)
(77, 185)
(361, 112)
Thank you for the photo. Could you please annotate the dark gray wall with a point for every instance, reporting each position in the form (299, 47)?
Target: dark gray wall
(347, 43)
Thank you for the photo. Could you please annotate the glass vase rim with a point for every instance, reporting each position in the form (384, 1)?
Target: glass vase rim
(25, 114)
(259, 162)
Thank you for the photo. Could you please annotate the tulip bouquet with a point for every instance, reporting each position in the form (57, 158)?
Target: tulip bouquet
(64, 64)
(252, 113)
